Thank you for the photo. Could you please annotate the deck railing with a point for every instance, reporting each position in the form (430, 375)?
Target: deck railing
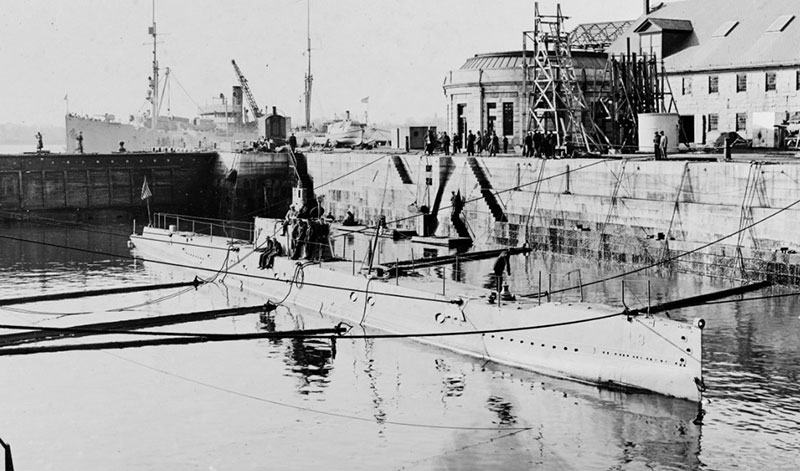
(207, 226)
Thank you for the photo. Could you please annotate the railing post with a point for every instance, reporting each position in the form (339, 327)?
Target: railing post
(580, 284)
(648, 298)
(354, 262)
(444, 280)
(549, 286)
(396, 272)
(540, 288)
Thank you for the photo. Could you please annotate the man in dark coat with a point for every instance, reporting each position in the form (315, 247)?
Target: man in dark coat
(495, 145)
(502, 264)
(470, 143)
(529, 142)
(446, 144)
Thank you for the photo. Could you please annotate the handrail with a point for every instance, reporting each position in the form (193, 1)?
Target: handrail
(207, 226)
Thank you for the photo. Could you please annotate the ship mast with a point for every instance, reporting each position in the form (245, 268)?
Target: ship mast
(309, 77)
(154, 80)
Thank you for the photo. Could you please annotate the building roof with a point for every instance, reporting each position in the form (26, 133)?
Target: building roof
(663, 24)
(513, 60)
(726, 34)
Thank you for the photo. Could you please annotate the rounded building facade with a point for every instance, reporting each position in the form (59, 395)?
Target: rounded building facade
(487, 92)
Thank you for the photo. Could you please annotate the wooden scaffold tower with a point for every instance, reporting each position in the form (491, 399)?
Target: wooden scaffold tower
(555, 102)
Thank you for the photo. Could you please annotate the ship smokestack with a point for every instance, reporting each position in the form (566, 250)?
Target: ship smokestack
(274, 111)
(646, 7)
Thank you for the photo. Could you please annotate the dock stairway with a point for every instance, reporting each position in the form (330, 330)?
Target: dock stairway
(402, 171)
(460, 226)
(301, 171)
(487, 191)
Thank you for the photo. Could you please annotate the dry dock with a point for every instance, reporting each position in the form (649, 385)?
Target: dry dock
(736, 219)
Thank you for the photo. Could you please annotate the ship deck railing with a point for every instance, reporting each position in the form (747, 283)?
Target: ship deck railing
(229, 229)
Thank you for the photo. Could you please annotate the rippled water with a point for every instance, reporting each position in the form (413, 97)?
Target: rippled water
(380, 404)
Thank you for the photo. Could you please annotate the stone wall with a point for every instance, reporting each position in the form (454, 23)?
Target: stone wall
(619, 211)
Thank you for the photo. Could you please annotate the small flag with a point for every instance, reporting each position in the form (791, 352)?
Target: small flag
(365, 99)
(146, 193)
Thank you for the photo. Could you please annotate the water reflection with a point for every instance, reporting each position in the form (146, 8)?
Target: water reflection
(503, 409)
(452, 383)
(309, 359)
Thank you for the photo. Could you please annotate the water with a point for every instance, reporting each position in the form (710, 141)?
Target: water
(366, 405)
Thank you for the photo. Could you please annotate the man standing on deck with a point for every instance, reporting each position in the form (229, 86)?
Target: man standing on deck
(502, 264)
(80, 143)
(446, 143)
(39, 142)
(292, 142)
(663, 144)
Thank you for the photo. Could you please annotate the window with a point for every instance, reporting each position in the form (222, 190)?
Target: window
(508, 119)
(771, 82)
(713, 84)
(686, 86)
(741, 121)
(491, 117)
(741, 83)
(713, 122)
(780, 24)
(725, 29)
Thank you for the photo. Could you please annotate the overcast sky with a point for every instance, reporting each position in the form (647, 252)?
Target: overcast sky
(396, 52)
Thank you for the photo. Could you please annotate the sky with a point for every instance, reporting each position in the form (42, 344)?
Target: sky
(97, 53)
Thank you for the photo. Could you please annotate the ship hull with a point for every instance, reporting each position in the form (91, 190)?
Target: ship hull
(100, 136)
(590, 343)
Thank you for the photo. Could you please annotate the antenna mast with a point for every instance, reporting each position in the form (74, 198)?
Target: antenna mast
(309, 77)
(154, 80)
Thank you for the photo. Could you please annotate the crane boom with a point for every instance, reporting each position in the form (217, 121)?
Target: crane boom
(250, 99)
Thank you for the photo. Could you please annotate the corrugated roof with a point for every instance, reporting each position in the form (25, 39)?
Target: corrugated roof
(749, 44)
(513, 60)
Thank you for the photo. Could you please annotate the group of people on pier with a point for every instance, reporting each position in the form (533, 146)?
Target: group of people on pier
(541, 145)
(535, 144)
(472, 144)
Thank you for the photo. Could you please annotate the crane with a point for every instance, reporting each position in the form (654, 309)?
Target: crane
(250, 99)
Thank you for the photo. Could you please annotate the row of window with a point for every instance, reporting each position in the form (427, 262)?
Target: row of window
(770, 83)
(491, 119)
(741, 122)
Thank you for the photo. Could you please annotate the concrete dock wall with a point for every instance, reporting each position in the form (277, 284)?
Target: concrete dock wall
(618, 211)
(112, 183)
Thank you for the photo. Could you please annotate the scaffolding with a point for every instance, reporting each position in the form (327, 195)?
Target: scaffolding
(632, 84)
(555, 102)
